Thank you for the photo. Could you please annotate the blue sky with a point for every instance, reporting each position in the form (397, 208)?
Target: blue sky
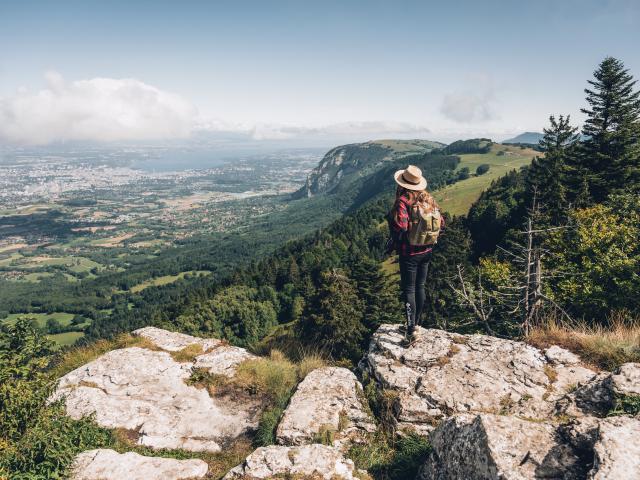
(438, 69)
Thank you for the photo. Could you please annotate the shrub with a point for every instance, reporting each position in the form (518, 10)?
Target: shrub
(482, 169)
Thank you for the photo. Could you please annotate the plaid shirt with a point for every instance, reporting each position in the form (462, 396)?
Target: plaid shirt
(401, 226)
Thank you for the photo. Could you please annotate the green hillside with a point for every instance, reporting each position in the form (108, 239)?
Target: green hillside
(458, 198)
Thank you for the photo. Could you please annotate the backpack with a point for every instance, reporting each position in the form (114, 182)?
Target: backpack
(424, 225)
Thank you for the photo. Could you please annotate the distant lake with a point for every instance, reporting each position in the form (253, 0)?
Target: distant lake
(183, 159)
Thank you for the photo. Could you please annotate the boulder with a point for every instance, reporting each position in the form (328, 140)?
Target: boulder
(103, 464)
(486, 446)
(308, 461)
(174, 341)
(145, 392)
(617, 449)
(625, 381)
(599, 395)
(223, 360)
(328, 398)
(442, 374)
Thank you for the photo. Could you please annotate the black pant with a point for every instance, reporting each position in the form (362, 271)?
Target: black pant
(413, 275)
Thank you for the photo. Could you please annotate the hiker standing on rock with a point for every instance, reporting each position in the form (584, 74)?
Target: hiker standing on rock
(415, 223)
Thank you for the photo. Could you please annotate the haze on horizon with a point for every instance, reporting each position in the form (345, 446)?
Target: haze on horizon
(300, 72)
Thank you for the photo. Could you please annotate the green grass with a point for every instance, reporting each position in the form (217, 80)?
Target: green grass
(62, 339)
(65, 339)
(5, 262)
(62, 317)
(164, 280)
(35, 277)
(458, 198)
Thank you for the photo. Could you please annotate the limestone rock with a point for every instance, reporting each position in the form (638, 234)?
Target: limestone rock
(598, 395)
(308, 461)
(223, 360)
(626, 379)
(329, 398)
(145, 391)
(559, 355)
(103, 464)
(174, 341)
(483, 447)
(443, 373)
(617, 449)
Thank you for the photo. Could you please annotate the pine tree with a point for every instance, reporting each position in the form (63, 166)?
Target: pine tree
(333, 320)
(611, 152)
(442, 308)
(381, 300)
(549, 176)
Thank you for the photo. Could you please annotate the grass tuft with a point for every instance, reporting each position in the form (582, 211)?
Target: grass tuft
(604, 346)
(188, 353)
(325, 435)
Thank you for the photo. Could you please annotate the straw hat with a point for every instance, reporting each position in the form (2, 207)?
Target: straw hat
(411, 178)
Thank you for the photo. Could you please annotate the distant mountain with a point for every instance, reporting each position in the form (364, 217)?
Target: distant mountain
(527, 137)
(346, 163)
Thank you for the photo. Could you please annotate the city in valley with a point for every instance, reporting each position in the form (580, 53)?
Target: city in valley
(84, 214)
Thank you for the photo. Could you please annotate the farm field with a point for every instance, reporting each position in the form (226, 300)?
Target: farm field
(166, 279)
(65, 339)
(62, 317)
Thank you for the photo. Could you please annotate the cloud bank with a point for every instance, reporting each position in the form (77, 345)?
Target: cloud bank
(122, 110)
(98, 109)
(472, 105)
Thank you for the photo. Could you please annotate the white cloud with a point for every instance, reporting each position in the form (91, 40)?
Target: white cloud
(99, 109)
(472, 105)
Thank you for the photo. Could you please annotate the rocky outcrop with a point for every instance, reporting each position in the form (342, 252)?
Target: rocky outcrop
(443, 373)
(327, 399)
(486, 446)
(174, 341)
(103, 464)
(308, 461)
(146, 392)
(617, 449)
(482, 447)
(493, 409)
(603, 392)
(502, 409)
(343, 164)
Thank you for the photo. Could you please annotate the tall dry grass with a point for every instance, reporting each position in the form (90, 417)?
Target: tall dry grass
(606, 346)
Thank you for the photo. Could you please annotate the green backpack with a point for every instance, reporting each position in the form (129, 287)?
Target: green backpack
(424, 225)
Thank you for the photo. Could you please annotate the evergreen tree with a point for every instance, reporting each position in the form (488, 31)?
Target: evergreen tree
(548, 176)
(333, 320)
(441, 308)
(611, 152)
(381, 299)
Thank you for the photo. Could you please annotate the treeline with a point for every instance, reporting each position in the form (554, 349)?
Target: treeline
(582, 200)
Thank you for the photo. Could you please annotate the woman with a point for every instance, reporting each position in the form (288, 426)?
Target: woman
(415, 223)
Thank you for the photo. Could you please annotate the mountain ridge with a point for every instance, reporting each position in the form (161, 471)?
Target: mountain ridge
(346, 162)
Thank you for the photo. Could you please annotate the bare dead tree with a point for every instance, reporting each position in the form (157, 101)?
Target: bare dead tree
(476, 298)
(522, 293)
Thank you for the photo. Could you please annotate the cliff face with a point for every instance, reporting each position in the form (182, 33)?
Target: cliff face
(343, 163)
(491, 408)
